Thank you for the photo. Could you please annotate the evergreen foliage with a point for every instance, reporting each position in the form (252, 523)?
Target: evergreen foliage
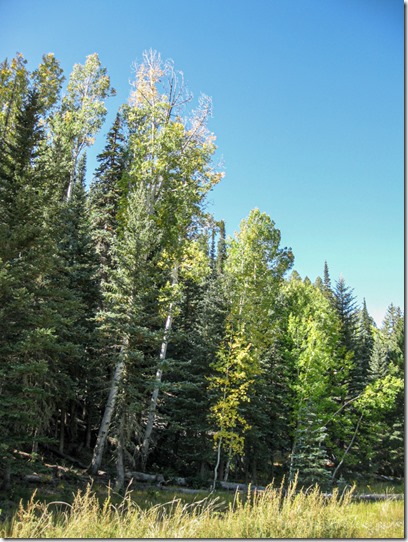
(135, 335)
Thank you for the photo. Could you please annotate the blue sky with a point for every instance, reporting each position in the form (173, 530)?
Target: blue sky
(308, 111)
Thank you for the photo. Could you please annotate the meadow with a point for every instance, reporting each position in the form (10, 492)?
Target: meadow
(274, 513)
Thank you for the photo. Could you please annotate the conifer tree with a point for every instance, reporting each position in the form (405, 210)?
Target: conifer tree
(345, 304)
(27, 334)
(364, 347)
(313, 330)
(105, 196)
(122, 320)
(326, 277)
(221, 249)
(80, 289)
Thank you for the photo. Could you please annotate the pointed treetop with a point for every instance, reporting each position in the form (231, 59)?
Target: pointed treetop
(326, 276)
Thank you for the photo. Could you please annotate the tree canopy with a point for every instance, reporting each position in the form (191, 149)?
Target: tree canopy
(135, 335)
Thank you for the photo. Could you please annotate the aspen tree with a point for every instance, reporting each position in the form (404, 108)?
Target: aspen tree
(254, 268)
(171, 157)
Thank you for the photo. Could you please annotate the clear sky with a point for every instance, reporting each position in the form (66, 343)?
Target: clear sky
(308, 111)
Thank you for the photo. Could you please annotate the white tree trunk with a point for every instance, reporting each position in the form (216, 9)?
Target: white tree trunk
(159, 373)
(72, 176)
(348, 448)
(107, 416)
(217, 464)
(227, 467)
(155, 394)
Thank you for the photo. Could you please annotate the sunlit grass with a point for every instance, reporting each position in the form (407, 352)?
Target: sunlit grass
(275, 513)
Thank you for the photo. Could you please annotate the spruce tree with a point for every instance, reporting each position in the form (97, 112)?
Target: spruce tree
(184, 442)
(364, 347)
(105, 195)
(345, 304)
(27, 336)
(77, 275)
(125, 321)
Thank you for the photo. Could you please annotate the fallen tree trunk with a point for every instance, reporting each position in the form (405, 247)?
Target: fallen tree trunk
(234, 486)
(143, 477)
(67, 457)
(379, 497)
(184, 490)
(372, 497)
(37, 479)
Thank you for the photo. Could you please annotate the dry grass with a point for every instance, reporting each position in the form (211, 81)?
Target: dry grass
(271, 514)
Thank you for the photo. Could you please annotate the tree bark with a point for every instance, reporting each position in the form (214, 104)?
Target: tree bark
(34, 448)
(155, 394)
(217, 464)
(62, 432)
(72, 176)
(120, 465)
(109, 410)
(348, 448)
(88, 430)
(227, 467)
(158, 379)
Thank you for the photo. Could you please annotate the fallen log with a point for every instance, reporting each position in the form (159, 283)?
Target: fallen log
(144, 477)
(233, 486)
(379, 497)
(183, 490)
(372, 497)
(67, 457)
(38, 478)
(178, 481)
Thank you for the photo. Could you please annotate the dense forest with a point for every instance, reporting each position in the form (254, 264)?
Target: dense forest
(136, 336)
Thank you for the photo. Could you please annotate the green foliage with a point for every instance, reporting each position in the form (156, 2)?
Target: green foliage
(237, 370)
(313, 330)
(211, 345)
(254, 263)
(27, 333)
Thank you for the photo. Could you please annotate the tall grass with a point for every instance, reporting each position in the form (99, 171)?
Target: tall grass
(274, 513)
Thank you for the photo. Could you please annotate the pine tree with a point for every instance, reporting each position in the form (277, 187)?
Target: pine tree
(326, 277)
(345, 304)
(221, 249)
(79, 285)
(105, 196)
(125, 319)
(27, 335)
(184, 443)
(364, 347)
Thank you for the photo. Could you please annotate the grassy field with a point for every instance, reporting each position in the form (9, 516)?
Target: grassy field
(274, 513)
